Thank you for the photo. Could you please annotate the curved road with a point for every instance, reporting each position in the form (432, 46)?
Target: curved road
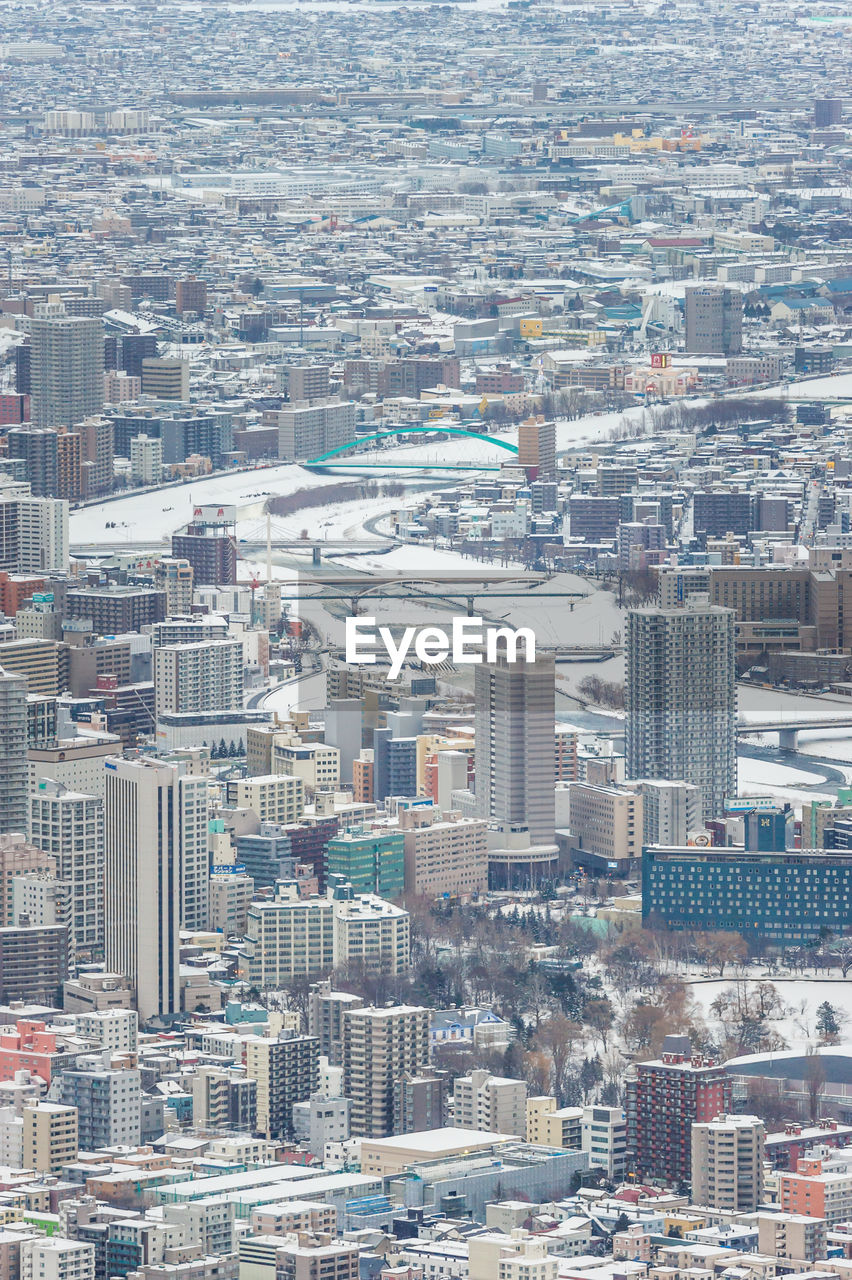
(257, 700)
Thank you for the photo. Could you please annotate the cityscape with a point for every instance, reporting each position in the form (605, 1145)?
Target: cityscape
(425, 640)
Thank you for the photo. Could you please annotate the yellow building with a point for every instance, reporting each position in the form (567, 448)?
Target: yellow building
(637, 141)
(683, 1222)
(552, 1126)
(429, 744)
(43, 662)
(50, 1136)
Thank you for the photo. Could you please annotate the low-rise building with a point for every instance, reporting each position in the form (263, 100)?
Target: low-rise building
(549, 1125)
(492, 1103)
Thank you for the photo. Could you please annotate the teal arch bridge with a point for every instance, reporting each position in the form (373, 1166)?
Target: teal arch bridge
(404, 430)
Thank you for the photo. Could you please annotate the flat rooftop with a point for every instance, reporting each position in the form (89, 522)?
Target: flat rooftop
(438, 1142)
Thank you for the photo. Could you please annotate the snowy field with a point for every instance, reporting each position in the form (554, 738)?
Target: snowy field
(419, 558)
(836, 384)
(335, 523)
(765, 778)
(832, 744)
(763, 773)
(755, 703)
(801, 998)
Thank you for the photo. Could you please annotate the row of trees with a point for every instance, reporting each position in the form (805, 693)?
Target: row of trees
(603, 693)
(285, 504)
(682, 415)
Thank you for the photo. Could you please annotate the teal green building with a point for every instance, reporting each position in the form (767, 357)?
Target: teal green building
(372, 861)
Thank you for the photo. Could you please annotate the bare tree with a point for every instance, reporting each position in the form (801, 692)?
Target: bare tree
(598, 1016)
(560, 1038)
(841, 950)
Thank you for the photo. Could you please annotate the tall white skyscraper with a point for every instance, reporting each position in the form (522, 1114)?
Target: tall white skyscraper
(680, 698)
(157, 874)
(516, 769)
(33, 532)
(193, 810)
(70, 827)
(516, 745)
(67, 369)
(13, 751)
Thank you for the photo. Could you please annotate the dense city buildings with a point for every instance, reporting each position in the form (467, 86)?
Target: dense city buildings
(379, 1045)
(291, 936)
(66, 368)
(425, 642)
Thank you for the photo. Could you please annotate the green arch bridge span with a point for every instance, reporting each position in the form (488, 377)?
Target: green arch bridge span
(400, 431)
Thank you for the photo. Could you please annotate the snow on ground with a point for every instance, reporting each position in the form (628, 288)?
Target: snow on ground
(801, 998)
(416, 557)
(336, 521)
(760, 704)
(765, 778)
(837, 384)
(593, 620)
(590, 620)
(571, 674)
(757, 704)
(833, 744)
(153, 516)
(761, 772)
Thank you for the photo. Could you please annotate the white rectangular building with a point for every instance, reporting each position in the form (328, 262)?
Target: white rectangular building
(206, 676)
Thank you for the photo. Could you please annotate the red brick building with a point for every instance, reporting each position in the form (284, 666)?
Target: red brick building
(663, 1101)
